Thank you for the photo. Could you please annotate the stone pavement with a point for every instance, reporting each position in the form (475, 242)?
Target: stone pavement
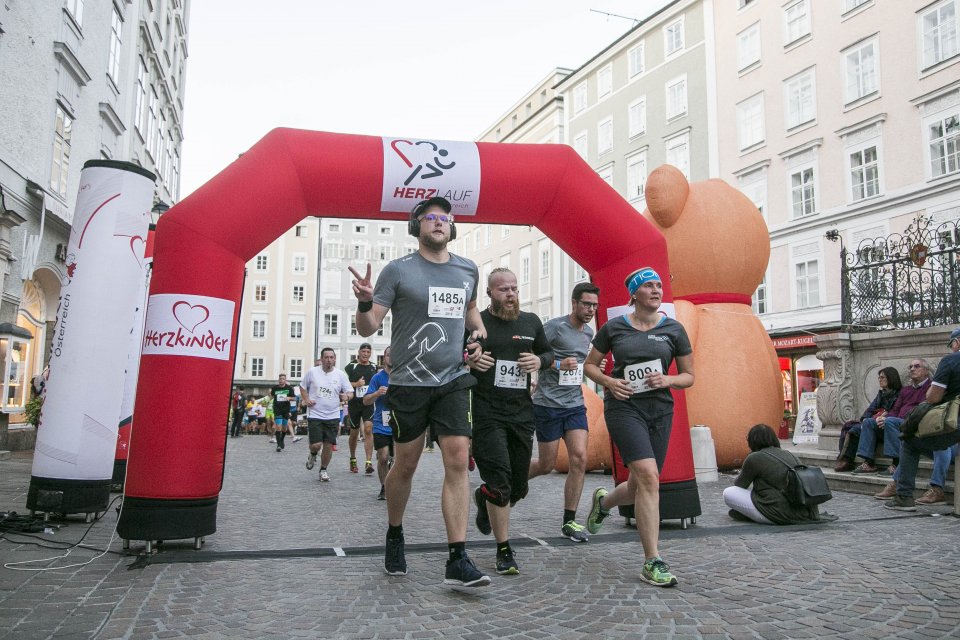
(273, 570)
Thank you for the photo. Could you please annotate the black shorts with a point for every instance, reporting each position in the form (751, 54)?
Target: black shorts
(358, 411)
(381, 440)
(445, 408)
(502, 449)
(261, 420)
(637, 434)
(322, 430)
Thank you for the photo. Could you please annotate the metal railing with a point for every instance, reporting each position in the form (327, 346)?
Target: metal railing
(902, 281)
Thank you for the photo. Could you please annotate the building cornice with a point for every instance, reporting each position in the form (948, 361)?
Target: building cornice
(69, 60)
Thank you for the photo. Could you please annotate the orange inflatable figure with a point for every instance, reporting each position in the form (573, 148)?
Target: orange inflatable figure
(719, 247)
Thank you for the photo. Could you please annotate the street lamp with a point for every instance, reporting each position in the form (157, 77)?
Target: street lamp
(159, 208)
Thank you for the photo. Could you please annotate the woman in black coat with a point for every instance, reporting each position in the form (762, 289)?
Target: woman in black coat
(889, 380)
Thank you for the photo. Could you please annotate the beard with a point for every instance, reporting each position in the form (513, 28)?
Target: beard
(433, 244)
(508, 312)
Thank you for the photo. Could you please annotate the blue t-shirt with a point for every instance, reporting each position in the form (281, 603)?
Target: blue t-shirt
(380, 379)
(947, 375)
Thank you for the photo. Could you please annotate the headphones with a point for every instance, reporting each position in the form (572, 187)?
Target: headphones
(413, 227)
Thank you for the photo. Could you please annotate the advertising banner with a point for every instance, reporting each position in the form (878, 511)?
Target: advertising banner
(416, 169)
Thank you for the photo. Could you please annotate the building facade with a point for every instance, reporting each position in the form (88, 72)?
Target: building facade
(82, 80)
(298, 299)
(841, 116)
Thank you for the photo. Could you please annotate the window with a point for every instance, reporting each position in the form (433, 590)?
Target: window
(750, 130)
(800, 98)
(676, 97)
(637, 117)
(504, 231)
(359, 228)
(300, 231)
(525, 268)
(113, 61)
(580, 144)
(605, 82)
(579, 274)
(297, 294)
(796, 21)
(256, 367)
(864, 173)
(488, 235)
(333, 227)
(636, 176)
(850, 5)
(332, 282)
(605, 136)
(580, 97)
(803, 192)
(545, 262)
(296, 329)
(754, 186)
(260, 293)
(386, 252)
(357, 252)
(296, 368)
(63, 127)
(759, 299)
(808, 284)
(678, 153)
(75, 7)
(635, 60)
(386, 231)
(299, 263)
(606, 173)
(939, 31)
(259, 328)
(861, 70)
(944, 144)
(385, 326)
(151, 131)
(353, 325)
(673, 38)
(331, 322)
(748, 46)
(140, 109)
(261, 263)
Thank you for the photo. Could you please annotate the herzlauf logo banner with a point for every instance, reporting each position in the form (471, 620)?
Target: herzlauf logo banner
(186, 325)
(415, 169)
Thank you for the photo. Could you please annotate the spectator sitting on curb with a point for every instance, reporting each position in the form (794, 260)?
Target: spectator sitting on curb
(889, 381)
(910, 396)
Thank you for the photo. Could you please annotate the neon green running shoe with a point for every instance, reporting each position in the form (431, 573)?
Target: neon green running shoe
(657, 572)
(597, 513)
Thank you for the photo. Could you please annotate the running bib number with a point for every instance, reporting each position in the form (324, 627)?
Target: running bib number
(322, 393)
(385, 417)
(446, 302)
(636, 374)
(509, 375)
(572, 378)
(359, 392)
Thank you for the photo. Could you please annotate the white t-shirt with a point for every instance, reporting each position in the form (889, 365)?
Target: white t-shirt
(324, 389)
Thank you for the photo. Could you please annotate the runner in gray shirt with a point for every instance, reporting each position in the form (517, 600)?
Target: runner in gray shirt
(558, 408)
(432, 294)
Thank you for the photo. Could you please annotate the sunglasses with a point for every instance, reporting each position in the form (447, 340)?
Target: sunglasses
(433, 217)
(915, 366)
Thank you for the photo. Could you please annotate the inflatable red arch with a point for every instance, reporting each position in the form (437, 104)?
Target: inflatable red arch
(176, 455)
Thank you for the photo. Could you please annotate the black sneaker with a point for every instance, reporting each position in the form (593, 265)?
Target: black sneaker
(463, 573)
(506, 565)
(394, 562)
(483, 518)
(383, 493)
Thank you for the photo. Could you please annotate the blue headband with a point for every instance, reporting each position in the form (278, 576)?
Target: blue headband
(638, 277)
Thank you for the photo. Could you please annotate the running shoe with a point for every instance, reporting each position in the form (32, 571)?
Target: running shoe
(311, 460)
(597, 513)
(324, 476)
(506, 564)
(297, 438)
(483, 518)
(369, 467)
(273, 439)
(383, 493)
(279, 448)
(353, 466)
(429, 448)
(574, 531)
(394, 562)
(901, 503)
(463, 573)
(657, 572)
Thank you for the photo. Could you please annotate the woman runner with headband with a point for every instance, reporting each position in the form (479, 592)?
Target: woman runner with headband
(638, 408)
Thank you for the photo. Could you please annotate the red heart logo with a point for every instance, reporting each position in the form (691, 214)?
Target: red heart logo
(400, 153)
(190, 316)
(137, 246)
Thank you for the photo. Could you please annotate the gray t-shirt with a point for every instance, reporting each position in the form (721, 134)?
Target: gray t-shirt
(428, 302)
(565, 341)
